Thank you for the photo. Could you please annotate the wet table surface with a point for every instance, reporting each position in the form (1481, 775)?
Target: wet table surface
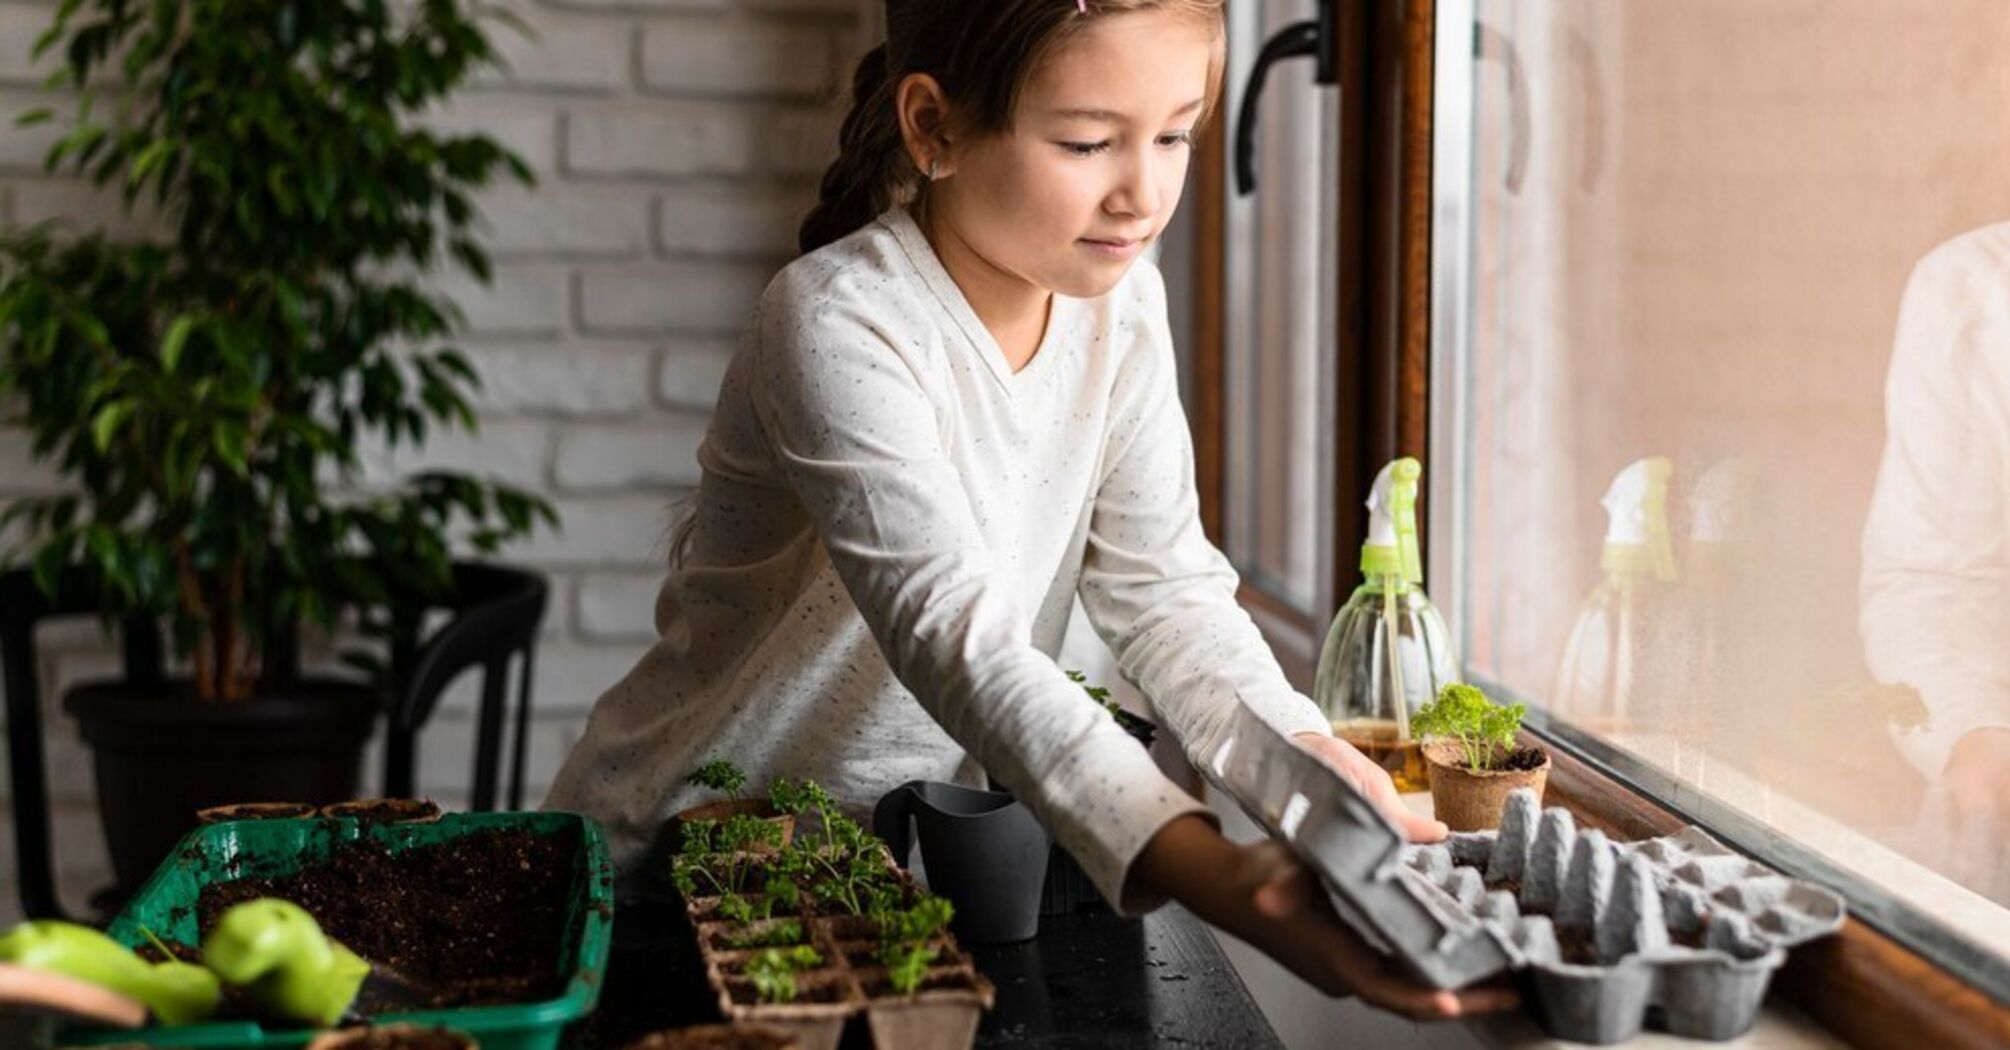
(1090, 980)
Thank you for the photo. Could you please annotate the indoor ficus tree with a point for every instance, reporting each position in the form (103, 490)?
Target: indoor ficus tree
(204, 392)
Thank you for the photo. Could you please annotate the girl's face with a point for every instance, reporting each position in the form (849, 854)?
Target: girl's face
(1092, 168)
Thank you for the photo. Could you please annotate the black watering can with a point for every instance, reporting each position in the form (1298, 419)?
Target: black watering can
(982, 850)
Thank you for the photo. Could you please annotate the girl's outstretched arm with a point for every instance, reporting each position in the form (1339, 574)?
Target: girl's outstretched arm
(1266, 897)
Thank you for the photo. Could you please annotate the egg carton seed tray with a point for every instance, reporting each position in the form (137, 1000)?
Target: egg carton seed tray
(1678, 930)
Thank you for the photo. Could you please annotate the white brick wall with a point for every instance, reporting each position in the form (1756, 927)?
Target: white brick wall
(676, 144)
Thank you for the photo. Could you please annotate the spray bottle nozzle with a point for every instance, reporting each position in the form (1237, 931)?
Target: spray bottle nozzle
(1636, 535)
(1391, 550)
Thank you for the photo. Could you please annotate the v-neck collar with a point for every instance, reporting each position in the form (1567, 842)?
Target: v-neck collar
(921, 255)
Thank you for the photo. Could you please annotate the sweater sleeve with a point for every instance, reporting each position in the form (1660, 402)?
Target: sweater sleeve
(1158, 592)
(854, 434)
(1934, 582)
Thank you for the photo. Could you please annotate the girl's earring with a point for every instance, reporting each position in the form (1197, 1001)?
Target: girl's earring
(933, 166)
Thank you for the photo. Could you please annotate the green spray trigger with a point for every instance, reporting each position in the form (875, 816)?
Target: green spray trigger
(1392, 550)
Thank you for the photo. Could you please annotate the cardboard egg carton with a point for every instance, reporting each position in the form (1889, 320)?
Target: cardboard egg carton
(1677, 930)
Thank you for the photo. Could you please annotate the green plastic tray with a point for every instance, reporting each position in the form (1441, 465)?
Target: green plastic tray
(255, 848)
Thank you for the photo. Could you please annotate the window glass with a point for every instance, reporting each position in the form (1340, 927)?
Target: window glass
(1721, 409)
(1280, 324)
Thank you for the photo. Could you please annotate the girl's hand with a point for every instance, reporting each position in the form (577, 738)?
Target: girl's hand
(1288, 898)
(1373, 782)
(1262, 894)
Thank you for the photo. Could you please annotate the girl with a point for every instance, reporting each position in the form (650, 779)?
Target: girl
(954, 413)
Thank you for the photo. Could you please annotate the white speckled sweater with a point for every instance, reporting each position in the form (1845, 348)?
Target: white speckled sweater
(882, 555)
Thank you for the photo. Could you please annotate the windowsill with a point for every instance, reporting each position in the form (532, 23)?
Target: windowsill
(1779, 1027)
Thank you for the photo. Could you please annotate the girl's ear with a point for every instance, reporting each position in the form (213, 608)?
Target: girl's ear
(924, 112)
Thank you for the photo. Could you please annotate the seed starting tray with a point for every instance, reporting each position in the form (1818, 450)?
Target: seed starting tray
(1678, 932)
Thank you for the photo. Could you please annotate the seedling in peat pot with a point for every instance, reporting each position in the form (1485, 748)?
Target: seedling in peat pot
(1485, 731)
(773, 971)
(904, 935)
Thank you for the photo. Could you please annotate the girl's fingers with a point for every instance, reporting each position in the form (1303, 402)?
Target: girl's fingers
(1389, 991)
(1419, 828)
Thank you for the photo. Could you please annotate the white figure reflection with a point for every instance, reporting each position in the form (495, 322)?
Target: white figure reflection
(1935, 587)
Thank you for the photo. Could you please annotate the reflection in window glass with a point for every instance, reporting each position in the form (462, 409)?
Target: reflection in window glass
(1731, 379)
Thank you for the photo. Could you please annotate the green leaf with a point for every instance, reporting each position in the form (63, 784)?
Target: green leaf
(149, 160)
(176, 341)
(229, 445)
(106, 425)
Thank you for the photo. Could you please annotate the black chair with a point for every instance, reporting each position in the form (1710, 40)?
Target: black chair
(495, 612)
(22, 607)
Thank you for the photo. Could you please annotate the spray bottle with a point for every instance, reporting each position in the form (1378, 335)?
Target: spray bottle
(1388, 651)
(1602, 679)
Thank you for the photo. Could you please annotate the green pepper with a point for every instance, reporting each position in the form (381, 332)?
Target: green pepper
(176, 992)
(287, 966)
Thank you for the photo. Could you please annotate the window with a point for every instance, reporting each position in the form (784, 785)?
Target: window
(1732, 271)
(1280, 323)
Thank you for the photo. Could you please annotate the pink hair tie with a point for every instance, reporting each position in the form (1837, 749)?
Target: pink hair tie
(1083, 5)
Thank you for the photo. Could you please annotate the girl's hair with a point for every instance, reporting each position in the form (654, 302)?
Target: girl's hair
(981, 52)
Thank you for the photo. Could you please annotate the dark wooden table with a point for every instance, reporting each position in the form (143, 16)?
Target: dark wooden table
(1090, 980)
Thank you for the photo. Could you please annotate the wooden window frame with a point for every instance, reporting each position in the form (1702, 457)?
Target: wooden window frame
(1860, 984)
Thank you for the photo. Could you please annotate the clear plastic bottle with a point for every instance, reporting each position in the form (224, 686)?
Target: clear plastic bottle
(1613, 677)
(1388, 651)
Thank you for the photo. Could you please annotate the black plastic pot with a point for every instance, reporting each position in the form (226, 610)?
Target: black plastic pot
(160, 754)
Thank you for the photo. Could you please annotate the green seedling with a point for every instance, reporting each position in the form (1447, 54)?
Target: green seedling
(929, 916)
(799, 797)
(1100, 694)
(906, 965)
(716, 858)
(773, 971)
(1485, 731)
(738, 908)
(882, 898)
(721, 776)
(780, 894)
(904, 935)
(779, 934)
(852, 881)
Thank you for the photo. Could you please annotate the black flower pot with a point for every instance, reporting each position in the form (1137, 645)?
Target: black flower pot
(160, 754)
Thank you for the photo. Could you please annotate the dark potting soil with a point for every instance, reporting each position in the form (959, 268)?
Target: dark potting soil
(1691, 938)
(1576, 946)
(1522, 759)
(478, 920)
